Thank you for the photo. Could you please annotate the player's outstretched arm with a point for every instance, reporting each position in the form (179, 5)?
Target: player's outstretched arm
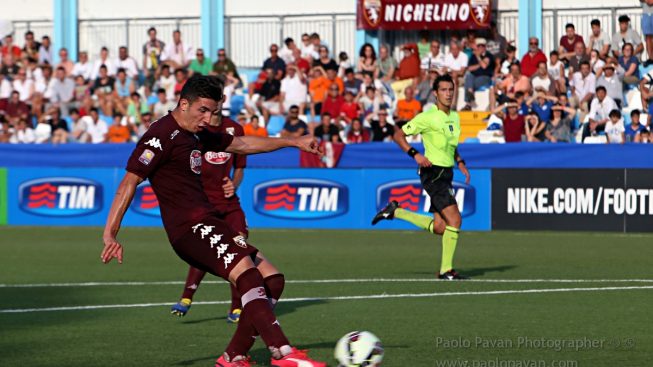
(256, 144)
(124, 197)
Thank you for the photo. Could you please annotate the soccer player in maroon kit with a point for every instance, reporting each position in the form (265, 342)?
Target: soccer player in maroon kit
(170, 156)
(221, 191)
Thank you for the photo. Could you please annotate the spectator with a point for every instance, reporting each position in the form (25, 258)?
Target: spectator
(559, 130)
(612, 80)
(103, 60)
(647, 27)
(31, 47)
(45, 51)
(556, 70)
(626, 35)
(381, 128)
(95, 127)
(324, 60)
(286, 53)
(599, 113)
(22, 133)
(332, 77)
(275, 63)
(317, 42)
(41, 86)
(635, 128)
(23, 86)
(119, 131)
(59, 126)
(373, 102)
(43, 130)
(577, 57)
(407, 108)
(253, 128)
(425, 93)
(350, 109)
(351, 83)
(9, 66)
(79, 133)
(583, 85)
(5, 88)
(469, 43)
(177, 54)
(532, 58)
(630, 64)
(61, 89)
(509, 59)
(64, 62)
(302, 64)
(13, 108)
(293, 89)
(34, 72)
(318, 88)
(224, 65)
(5, 133)
(497, 44)
(434, 60)
(136, 108)
(534, 128)
(480, 71)
(83, 67)
(644, 137)
(127, 62)
(513, 83)
(596, 63)
(152, 51)
(357, 134)
(124, 85)
(146, 122)
(367, 60)
(513, 122)
(8, 47)
(542, 81)
(542, 106)
(333, 101)
(181, 75)
(269, 102)
(423, 46)
(343, 64)
(167, 81)
(294, 126)
(308, 51)
(104, 84)
(327, 131)
(387, 64)
(569, 41)
(81, 90)
(599, 40)
(614, 128)
(164, 105)
(456, 61)
(200, 64)
(409, 66)
(369, 81)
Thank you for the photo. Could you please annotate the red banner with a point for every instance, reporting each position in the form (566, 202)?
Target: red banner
(330, 158)
(423, 14)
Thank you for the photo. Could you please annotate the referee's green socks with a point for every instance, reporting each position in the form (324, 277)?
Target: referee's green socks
(422, 221)
(449, 241)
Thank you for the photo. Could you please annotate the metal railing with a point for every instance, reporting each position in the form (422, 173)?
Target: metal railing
(248, 38)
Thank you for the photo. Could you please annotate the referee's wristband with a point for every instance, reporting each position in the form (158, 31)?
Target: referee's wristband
(412, 152)
(460, 161)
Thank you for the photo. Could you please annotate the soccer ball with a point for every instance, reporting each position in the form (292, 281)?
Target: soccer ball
(359, 349)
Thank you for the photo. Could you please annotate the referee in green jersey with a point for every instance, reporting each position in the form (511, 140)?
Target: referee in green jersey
(440, 130)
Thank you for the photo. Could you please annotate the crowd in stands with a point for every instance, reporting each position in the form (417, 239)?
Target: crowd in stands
(578, 92)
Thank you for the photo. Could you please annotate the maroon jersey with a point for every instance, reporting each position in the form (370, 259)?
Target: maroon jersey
(217, 165)
(170, 158)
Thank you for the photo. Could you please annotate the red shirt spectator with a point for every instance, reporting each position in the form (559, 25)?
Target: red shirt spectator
(8, 48)
(13, 108)
(349, 109)
(357, 133)
(532, 58)
(409, 66)
(569, 40)
(513, 126)
(333, 102)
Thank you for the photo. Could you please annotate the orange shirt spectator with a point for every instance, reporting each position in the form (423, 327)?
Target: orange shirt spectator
(254, 129)
(118, 134)
(318, 88)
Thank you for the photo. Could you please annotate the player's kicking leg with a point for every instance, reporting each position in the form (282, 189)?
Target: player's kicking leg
(447, 225)
(193, 280)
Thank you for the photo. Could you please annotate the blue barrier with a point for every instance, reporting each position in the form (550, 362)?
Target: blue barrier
(370, 155)
(271, 198)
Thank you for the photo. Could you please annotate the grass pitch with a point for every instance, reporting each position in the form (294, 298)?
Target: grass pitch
(536, 299)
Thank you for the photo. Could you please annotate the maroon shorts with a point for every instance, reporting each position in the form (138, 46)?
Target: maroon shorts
(233, 214)
(213, 246)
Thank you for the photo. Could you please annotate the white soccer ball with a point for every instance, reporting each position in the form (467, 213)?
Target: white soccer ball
(359, 349)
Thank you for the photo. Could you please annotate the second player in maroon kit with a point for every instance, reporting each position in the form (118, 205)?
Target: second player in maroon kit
(220, 186)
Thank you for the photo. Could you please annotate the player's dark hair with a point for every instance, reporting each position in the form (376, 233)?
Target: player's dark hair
(202, 86)
(635, 112)
(446, 78)
(615, 113)
(595, 22)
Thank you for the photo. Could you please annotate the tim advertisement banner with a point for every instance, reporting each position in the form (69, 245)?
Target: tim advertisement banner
(271, 198)
(573, 199)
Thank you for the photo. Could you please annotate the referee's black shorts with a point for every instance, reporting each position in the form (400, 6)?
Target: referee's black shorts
(437, 182)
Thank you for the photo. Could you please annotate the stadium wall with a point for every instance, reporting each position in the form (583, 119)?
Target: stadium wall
(522, 186)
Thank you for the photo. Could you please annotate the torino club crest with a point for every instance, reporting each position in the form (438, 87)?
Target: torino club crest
(372, 10)
(480, 11)
(196, 161)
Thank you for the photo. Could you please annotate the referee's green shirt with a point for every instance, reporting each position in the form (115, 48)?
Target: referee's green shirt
(440, 133)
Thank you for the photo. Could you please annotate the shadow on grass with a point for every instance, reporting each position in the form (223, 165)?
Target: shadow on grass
(471, 272)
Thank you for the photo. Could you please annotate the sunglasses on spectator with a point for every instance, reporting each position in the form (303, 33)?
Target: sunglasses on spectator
(533, 43)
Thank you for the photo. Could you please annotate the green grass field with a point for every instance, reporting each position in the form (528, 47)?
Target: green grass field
(511, 314)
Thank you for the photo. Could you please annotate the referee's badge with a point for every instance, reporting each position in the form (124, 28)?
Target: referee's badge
(451, 128)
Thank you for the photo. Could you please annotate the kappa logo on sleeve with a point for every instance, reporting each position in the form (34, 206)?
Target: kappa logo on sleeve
(154, 143)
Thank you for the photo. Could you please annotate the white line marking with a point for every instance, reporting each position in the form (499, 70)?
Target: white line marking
(326, 281)
(337, 298)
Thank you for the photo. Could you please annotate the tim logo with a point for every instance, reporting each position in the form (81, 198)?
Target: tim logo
(301, 199)
(410, 195)
(60, 196)
(145, 201)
